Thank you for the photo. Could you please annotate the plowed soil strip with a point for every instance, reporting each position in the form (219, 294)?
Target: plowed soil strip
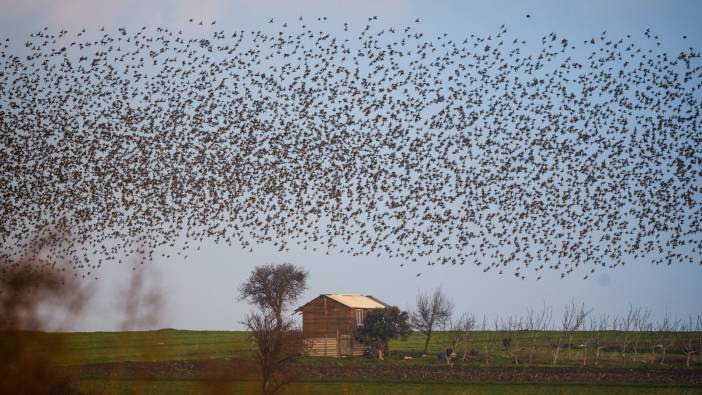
(246, 370)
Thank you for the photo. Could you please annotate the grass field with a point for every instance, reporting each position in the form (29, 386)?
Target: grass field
(485, 348)
(78, 350)
(164, 345)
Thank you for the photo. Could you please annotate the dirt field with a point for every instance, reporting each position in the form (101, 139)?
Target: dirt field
(188, 387)
(246, 370)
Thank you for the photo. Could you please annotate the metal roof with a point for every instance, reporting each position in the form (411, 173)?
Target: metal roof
(357, 301)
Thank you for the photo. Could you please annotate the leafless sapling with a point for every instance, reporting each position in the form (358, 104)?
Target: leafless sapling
(487, 345)
(641, 324)
(432, 311)
(624, 326)
(598, 327)
(536, 323)
(459, 332)
(510, 328)
(687, 340)
(665, 331)
(573, 319)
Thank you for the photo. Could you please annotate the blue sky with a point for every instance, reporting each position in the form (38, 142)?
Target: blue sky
(200, 293)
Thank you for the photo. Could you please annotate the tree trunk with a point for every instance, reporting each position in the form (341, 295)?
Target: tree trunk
(265, 384)
(278, 320)
(465, 348)
(555, 354)
(597, 355)
(426, 342)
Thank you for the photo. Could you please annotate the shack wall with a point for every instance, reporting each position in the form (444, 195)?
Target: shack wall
(326, 317)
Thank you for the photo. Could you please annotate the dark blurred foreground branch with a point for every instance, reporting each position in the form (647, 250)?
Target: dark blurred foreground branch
(35, 296)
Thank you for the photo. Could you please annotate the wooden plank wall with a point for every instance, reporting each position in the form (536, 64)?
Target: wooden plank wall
(327, 347)
(321, 347)
(324, 317)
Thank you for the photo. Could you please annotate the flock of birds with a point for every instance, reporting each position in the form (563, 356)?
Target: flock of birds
(378, 141)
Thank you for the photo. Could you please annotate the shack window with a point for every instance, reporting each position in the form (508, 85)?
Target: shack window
(359, 317)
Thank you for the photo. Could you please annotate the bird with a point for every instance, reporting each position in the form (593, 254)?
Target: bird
(433, 148)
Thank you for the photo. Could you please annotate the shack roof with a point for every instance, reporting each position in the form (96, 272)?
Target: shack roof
(357, 301)
(354, 301)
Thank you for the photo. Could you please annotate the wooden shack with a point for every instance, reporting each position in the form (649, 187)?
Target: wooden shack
(329, 323)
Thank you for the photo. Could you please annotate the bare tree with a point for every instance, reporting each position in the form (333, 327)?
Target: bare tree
(274, 288)
(597, 326)
(573, 319)
(487, 344)
(687, 341)
(665, 329)
(641, 324)
(278, 346)
(536, 323)
(624, 325)
(432, 312)
(556, 339)
(459, 332)
(510, 327)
